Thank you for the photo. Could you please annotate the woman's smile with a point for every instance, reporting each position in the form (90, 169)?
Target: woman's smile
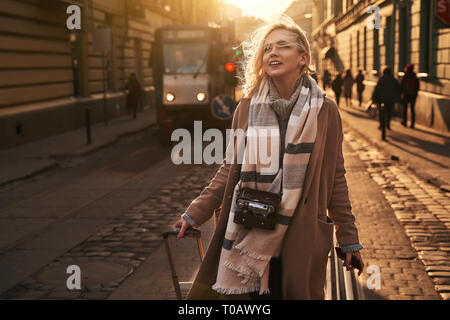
(275, 64)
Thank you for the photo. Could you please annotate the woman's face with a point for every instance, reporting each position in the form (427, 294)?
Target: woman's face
(281, 58)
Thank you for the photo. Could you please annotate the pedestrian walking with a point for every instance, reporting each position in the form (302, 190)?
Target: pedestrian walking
(410, 86)
(348, 85)
(360, 86)
(326, 78)
(386, 93)
(337, 87)
(134, 94)
(288, 262)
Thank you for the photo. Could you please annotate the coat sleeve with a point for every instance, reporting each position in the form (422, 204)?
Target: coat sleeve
(202, 208)
(339, 208)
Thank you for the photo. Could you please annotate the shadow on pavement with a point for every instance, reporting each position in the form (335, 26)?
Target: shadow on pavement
(424, 145)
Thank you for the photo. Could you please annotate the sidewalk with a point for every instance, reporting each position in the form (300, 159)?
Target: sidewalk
(426, 152)
(29, 159)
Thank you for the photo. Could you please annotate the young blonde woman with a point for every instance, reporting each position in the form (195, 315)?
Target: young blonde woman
(288, 262)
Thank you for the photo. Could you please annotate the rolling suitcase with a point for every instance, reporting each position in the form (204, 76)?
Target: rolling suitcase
(191, 232)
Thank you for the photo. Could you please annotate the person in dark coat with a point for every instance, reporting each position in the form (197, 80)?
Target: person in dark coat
(134, 93)
(337, 87)
(410, 87)
(360, 86)
(387, 92)
(326, 78)
(348, 85)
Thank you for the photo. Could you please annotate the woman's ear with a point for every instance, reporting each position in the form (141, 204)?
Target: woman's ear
(303, 60)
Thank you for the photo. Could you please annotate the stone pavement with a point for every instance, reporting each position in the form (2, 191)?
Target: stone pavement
(109, 256)
(373, 180)
(424, 151)
(29, 159)
(413, 169)
(134, 238)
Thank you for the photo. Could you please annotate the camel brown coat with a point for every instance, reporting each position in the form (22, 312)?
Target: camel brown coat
(309, 237)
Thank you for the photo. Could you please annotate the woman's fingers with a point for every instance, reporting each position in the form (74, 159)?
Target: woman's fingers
(181, 233)
(358, 255)
(348, 259)
(178, 224)
(185, 225)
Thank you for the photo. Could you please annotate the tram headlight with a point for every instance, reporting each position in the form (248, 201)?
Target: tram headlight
(201, 96)
(170, 97)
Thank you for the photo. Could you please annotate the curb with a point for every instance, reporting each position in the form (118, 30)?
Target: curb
(53, 157)
(50, 166)
(102, 145)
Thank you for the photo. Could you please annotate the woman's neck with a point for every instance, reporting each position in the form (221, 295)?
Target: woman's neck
(285, 87)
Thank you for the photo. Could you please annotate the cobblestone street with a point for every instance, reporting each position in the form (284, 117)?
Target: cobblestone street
(129, 240)
(391, 209)
(403, 223)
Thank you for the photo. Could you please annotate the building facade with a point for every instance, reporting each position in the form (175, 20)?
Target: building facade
(49, 75)
(301, 12)
(394, 33)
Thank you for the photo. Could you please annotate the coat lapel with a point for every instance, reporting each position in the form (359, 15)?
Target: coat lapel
(317, 151)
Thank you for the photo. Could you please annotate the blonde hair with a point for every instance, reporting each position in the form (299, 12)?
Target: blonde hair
(252, 64)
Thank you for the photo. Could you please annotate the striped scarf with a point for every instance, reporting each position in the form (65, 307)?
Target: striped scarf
(245, 256)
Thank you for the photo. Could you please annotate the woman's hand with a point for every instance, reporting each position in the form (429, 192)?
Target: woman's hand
(184, 225)
(348, 259)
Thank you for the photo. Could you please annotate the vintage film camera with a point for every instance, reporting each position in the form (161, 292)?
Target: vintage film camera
(257, 209)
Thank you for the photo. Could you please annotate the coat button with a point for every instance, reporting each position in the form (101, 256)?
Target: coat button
(306, 199)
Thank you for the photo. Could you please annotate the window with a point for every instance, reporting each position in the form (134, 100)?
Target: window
(425, 61)
(376, 50)
(365, 49)
(185, 58)
(351, 52)
(389, 42)
(75, 41)
(404, 37)
(358, 47)
(110, 64)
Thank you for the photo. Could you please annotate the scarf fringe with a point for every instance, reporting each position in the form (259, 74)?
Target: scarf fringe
(254, 267)
(246, 276)
(226, 291)
(241, 273)
(252, 254)
(267, 291)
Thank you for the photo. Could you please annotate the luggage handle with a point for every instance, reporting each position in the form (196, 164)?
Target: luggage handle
(191, 232)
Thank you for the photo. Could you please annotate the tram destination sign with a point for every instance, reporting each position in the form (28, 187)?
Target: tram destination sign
(184, 34)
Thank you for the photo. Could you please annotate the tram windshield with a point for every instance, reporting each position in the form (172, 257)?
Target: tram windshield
(185, 58)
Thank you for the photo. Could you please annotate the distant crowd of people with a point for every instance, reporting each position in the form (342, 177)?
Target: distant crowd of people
(387, 92)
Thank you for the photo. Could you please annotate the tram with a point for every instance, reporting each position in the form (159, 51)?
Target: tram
(194, 75)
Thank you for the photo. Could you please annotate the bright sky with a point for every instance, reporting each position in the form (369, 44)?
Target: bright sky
(264, 9)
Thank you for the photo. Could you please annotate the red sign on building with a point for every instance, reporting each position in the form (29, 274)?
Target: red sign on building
(443, 10)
